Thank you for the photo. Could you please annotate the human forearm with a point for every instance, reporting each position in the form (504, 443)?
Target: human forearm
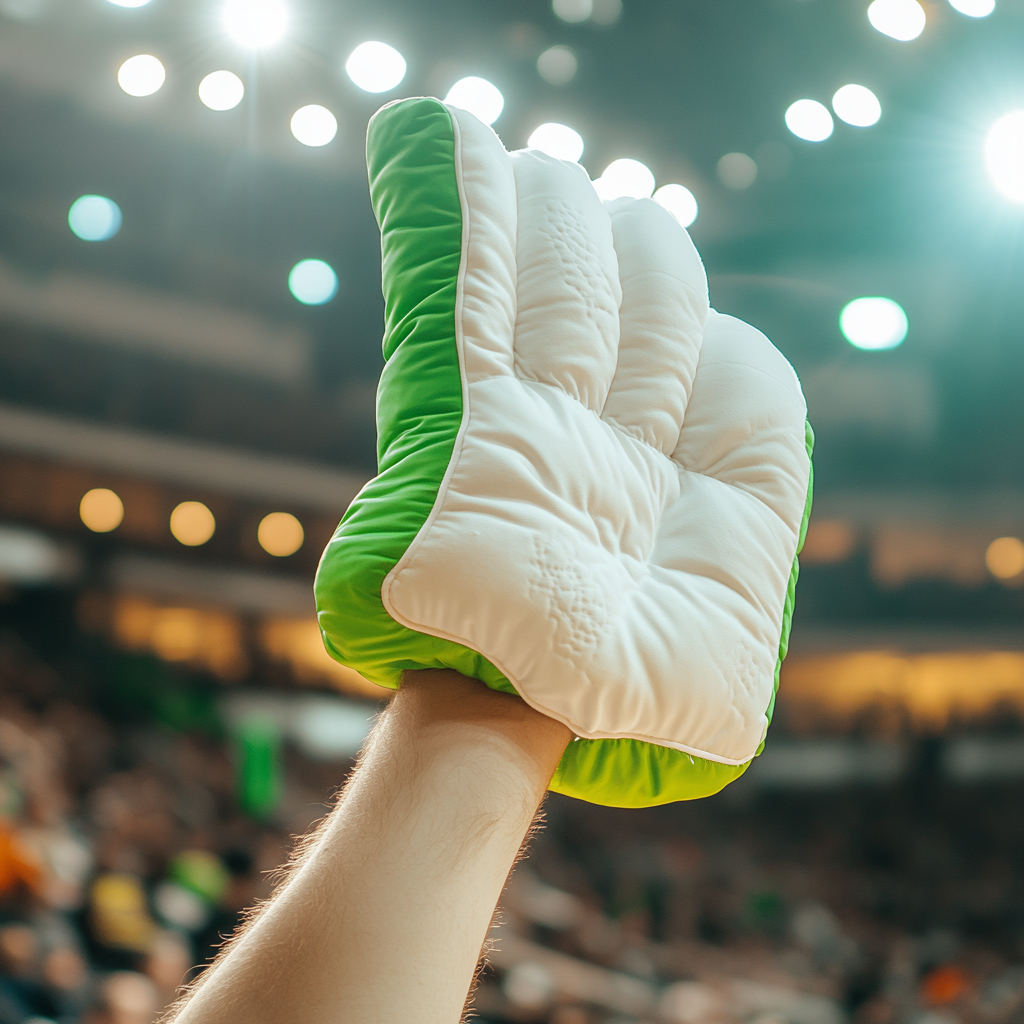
(385, 917)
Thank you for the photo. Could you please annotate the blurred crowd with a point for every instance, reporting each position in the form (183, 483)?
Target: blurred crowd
(126, 857)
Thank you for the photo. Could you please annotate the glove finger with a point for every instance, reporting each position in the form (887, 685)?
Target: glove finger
(568, 294)
(745, 422)
(661, 322)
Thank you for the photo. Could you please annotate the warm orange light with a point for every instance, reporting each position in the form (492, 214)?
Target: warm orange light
(298, 642)
(1005, 557)
(280, 534)
(101, 510)
(192, 523)
(828, 540)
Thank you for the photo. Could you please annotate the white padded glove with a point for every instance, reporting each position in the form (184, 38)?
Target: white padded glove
(592, 487)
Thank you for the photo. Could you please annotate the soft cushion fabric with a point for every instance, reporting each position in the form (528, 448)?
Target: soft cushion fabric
(592, 488)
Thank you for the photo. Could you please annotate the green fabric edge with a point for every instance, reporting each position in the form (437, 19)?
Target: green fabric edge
(413, 188)
(414, 192)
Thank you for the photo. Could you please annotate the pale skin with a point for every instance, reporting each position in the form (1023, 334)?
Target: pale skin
(384, 917)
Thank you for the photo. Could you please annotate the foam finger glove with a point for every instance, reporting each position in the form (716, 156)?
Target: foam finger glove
(591, 489)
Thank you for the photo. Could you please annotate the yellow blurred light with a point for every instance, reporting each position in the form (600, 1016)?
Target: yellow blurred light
(927, 690)
(1005, 557)
(280, 534)
(205, 637)
(192, 523)
(828, 541)
(298, 642)
(101, 510)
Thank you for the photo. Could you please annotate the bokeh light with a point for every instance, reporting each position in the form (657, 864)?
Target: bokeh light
(736, 171)
(94, 218)
(478, 96)
(974, 8)
(573, 11)
(314, 125)
(679, 201)
(313, 282)
(557, 140)
(1004, 154)
(375, 67)
(1005, 557)
(101, 510)
(857, 105)
(280, 534)
(899, 19)
(557, 65)
(221, 90)
(141, 75)
(873, 323)
(192, 523)
(606, 12)
(809, 120)
(625, 178)
(129, 3)
(255, 24)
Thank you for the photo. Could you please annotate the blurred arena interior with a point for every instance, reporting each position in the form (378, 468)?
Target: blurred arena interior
(190, 321)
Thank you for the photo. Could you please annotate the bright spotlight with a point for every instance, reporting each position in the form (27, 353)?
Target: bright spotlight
(1005, 557)
(221, 90)
(478, 96)
(280, 534)
(1004, 154)
(557, 65)
(856, 105)
(809, 120)
(737, 171)
(94, 218)
(129, 3)
(625, 178)
(557, 140)
(141, 75)
(974, 8)
(255, 23)
(573, 11)
(101, 510)
(679, 201)
(313, 282)
(192, 523)
(375, 67)
(901, 19)
(873, 323)
(314, 125)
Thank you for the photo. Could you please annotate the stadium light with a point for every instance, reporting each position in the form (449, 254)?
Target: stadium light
(679, 201)
(557, 140)
(899, 19)
(255, 24)
(478, 96)
(557, 65)
(736, 171)
(221, 90)
(94, 218)
(873, 323)
(141, 75)
(375, 67)
(1004, 154)
(857, 105)
(809, 120)
(101, 510)
(573, 11)
(625, 178)
(974, 8)
(313, 282)
(314, 125)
